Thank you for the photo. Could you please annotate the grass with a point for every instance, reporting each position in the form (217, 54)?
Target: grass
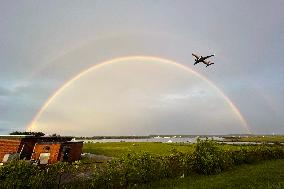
(267, 138)
(116, 149)
(266, 174)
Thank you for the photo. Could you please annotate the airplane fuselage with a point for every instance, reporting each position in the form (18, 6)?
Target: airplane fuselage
(203, 60)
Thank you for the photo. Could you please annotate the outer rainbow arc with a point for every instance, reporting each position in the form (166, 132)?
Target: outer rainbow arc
(32, 124)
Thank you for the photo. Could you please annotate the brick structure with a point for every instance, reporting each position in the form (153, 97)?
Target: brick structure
(58, 151)
(17, 144)
(59, 148)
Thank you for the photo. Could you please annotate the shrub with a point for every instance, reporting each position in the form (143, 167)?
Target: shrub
(18, 174)
(209, 158)
(175, 164)
(23, 174)
(137, 168)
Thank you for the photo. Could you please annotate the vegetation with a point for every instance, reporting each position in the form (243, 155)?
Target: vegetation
(263, 175)
(266, 138)
(37, 134)
(139, 167)
(210, 159)
(117, 149)
(207, 158)
(23, 174)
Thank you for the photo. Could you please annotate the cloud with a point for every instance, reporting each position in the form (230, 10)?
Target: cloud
(13, 87)
(245, 52)
(5, 126)
(4, 91)
(191, 93)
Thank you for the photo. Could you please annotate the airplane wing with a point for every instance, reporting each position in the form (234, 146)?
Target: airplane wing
(208, 56)
(197, 57)
(207, 62)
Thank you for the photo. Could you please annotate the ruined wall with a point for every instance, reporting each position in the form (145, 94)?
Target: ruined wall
(26, 147)
(31, 148)
(75, 151)
(52, 148)
(8, 146)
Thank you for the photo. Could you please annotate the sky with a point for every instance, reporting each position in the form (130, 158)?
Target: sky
(44, 44)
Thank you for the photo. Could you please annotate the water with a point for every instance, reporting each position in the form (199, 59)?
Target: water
(168, 140)
(156, 139)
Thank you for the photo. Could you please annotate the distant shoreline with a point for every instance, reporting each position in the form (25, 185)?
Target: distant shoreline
(167, 136)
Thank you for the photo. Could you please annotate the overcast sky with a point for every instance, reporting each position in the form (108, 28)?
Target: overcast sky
(43, 44)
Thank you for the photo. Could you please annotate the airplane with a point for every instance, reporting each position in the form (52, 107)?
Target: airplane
(202, 59)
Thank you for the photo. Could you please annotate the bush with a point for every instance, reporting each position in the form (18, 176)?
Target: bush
(130, 169)
(23, 174)
(18, 174)
(177, 164)
(209, 158)
(137, 168)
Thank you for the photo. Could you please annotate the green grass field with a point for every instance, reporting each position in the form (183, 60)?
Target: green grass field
(267, 138)
(116, 149)
(263, 175)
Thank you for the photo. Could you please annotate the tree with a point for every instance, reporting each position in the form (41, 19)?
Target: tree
(55, 135)
(37, 134)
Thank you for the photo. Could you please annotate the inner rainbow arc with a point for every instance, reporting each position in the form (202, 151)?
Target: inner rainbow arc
(32, 125)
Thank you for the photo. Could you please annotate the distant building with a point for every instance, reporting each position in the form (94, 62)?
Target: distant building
(40, 149)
